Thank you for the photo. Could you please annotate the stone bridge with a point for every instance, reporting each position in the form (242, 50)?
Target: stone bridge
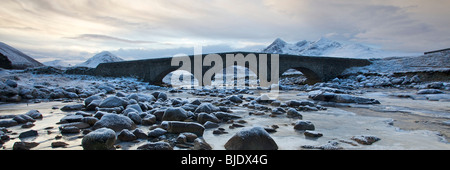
(316, 69)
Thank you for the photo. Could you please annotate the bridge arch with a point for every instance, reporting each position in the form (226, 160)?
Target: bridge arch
(311, 76)
(316, 69)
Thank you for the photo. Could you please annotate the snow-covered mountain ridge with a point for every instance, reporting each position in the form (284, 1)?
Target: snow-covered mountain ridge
(18, 59)
(103, 57)
(327, 47)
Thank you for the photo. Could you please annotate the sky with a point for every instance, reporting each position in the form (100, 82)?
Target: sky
(76, 30)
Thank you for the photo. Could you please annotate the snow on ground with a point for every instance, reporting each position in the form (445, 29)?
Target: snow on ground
(429, 62)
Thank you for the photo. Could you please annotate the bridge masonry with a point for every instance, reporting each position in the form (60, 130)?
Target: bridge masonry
(316, 69)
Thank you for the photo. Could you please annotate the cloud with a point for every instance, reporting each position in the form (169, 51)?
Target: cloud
(99, 37)
(92, 26)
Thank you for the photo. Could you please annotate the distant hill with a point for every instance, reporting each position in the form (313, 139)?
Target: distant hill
(17, 59)
(103, 57)
(57, 63)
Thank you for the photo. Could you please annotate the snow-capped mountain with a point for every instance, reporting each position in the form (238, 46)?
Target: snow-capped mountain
(57, 63)
(103, 57)
(326, 47)
(18, 59)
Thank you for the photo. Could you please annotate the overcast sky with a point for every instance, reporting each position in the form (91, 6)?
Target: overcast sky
(77, 29)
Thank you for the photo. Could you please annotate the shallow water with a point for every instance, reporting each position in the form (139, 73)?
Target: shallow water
(336, 124)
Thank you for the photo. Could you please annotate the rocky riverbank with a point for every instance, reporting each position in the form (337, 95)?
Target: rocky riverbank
(127, 114)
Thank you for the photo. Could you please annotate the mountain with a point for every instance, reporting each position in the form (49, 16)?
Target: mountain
(17, 59)
(57, 63)
(103, 57)
(327, 47)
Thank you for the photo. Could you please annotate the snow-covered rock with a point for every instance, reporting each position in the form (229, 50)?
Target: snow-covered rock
(327, 47)
(18, 59)
(103, 57)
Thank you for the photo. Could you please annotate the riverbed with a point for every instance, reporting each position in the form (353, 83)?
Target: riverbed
(400, 123)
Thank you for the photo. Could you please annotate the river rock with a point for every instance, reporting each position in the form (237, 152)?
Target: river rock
(174, 114)
(209, 125)
(69, 129)
(149, 119)
(88, 100)
(29, 133)
(292, 113)
(8, 123)
(255, 138)
(304, 125)
(135, 118)
(365, 139)
(139, 133)
(226, 116)
(72, 107)
(235, 99)
(155, 146)
(156, 132)
(92, 105)
(113, 101)
(23, 119)
(162, 96)
(429, 91)
(71, 118)
(340, 98)
(278, 111)
(296, 103)
(136, 107)
(100, 139)
(204, 117)
(201, 144)
(59, 144)
(24, 145)
(115, 122)
(126, 136)
(207, 108)
(35, 114)
(313, 134)
(180, 127)
(89, 120)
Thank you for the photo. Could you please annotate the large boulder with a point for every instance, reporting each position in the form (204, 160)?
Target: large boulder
(180, 127)
(115, 122)
(113, 101)
(255, 138)
(100, 139)
(174, 114)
